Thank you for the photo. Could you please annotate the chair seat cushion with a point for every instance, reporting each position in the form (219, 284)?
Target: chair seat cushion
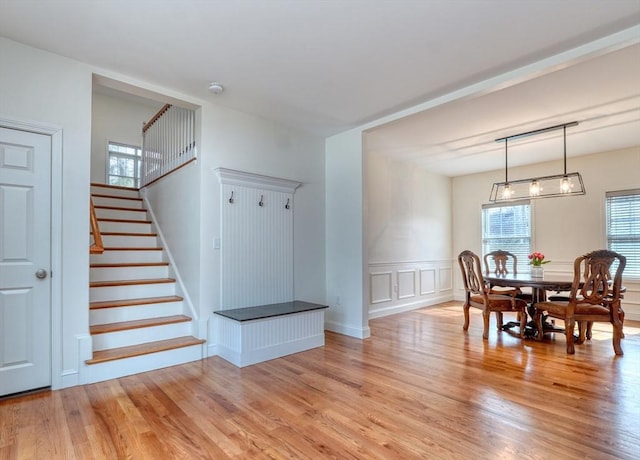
(503, 290)
(502, 302)
(559, 308)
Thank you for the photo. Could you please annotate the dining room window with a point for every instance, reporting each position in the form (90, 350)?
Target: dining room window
(623, 227)
(507, 227)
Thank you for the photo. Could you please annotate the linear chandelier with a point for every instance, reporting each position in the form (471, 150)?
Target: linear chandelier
(566, 184)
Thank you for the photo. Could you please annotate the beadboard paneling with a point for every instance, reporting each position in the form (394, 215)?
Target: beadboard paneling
(257, 247)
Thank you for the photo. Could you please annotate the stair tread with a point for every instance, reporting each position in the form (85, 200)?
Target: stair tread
(119, 187)
(100, 195)
(131, 282)
(127, 234)
(137, 324)
(127, 221)
(143, 349)
(130, 264)
(134, 302)
(119, 208)
(127, 248)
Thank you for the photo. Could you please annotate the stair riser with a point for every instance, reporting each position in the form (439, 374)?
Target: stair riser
(114, 257)
(128, 273)
(139, 336)
(124, 227)
(126, 241)
(129, 366)
(100, 294)
(132, 313)
(118, 202)
(114, 191)
(121, 214)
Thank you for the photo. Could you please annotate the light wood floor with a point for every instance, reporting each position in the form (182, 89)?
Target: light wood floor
(418, 388)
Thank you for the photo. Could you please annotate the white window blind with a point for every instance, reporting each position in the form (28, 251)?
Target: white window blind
(623, 228)
(508, 227)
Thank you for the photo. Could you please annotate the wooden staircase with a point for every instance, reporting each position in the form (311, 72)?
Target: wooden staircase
(137, 321)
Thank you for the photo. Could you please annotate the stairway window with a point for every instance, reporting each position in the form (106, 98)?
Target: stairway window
(124, 165)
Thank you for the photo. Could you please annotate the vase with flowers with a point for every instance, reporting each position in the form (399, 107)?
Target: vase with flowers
(536, 260)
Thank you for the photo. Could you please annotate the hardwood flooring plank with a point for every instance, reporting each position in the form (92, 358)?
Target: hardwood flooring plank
(419, 387)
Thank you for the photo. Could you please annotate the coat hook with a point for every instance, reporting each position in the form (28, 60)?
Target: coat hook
(261, 203)
(286, 206)
(231, 198)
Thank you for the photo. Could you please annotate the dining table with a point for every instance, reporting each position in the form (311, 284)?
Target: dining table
(539, 286)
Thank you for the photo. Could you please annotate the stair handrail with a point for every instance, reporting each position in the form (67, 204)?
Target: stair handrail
(150, 123)
(97, 247)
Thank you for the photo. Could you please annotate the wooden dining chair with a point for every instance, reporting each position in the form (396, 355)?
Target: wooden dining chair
(595, 297)
(503, 263)
(478, 295)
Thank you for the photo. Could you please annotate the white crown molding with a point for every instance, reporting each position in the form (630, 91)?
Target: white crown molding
(245, 179)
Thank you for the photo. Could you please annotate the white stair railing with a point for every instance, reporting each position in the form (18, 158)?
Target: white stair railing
(168, 143)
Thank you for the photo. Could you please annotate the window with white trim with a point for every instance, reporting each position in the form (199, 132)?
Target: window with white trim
(623, 228)
(508, 227)
(123, 167)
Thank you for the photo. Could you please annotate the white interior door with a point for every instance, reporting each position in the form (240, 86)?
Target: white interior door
(25, 261)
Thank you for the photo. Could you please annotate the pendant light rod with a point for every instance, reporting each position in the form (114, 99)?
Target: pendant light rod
(564, 130)
(506, 168)
(538, 131)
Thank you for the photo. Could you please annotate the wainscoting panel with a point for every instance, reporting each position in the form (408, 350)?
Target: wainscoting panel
(445, 276)
(406, 284)
(395, 287)
(427, 281)
(380, 283)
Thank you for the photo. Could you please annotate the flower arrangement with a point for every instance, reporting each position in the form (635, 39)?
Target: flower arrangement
(537, 259)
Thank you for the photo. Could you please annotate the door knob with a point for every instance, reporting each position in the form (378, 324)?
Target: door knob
(41, 274)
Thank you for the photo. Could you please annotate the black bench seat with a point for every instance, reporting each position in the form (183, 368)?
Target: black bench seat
(268, 311)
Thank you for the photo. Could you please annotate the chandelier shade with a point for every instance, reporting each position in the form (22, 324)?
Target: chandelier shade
(538, 187)
(558, 185)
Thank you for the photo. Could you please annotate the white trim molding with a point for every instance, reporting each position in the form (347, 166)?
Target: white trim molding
(245, 179)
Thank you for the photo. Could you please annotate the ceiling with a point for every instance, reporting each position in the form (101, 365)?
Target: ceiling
(602, 94)
(325, 66)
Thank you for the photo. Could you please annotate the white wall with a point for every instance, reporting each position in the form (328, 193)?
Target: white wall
(40, 87)
(175, 203)
(236, 140)
(186, 203)
(408, 231)
(118, 120)
(36, 86)
(344, 235)
(563, 228)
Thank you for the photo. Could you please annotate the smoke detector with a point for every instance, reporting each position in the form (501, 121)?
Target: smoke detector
(216, 88)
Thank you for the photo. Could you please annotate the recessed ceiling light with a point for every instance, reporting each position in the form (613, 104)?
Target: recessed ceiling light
(216, 88)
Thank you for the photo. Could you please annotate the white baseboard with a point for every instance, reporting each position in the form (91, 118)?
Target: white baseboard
(351, 331)
(392, 310)
(68, 378)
